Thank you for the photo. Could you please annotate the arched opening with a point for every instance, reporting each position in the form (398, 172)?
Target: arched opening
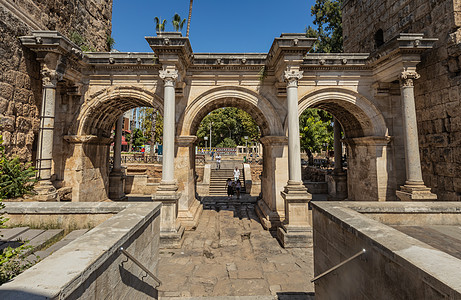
(365, 138)
(268, 122)
(88, 167)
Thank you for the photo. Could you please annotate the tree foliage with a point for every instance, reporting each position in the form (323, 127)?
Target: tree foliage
(159, 24)
(138, 138)
(329, 31)
(229, 127)
(152, 118)
(315, 130)
(177, 22)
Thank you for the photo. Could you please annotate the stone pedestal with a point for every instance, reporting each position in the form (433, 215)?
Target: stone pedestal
(45, 192)
(296, 230)
(171, 230)
(337, 186)
(415, 193)
(117, 186)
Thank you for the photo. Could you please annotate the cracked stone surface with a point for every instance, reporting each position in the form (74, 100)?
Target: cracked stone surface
(230, 254)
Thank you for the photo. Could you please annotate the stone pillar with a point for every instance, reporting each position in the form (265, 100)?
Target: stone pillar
(116, 176)
(414, 188)
(171, 231)
(45, 189)
(296, 230)
(271, 206)
(337, 147)
(190, 207)
(337, 181)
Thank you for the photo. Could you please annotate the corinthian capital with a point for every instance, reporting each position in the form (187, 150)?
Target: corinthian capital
(292, 77)
(49, 77)
(168, 76)
(407, 77)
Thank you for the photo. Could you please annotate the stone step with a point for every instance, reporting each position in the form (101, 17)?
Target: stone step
(66, 240)
(11, 233)
(21, 238)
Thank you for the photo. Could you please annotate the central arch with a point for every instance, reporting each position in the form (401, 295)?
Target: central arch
(259, 108)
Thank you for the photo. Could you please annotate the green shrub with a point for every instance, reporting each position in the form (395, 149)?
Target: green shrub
(16, 178)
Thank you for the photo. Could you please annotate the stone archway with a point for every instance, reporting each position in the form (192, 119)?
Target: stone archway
(271, 207)
(369, 165)
(91, 138)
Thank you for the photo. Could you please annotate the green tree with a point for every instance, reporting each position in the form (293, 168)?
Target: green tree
(152, 119)
(159, 24)
(177, 22)
(138, 138)
(229, 127)
(315, 131)
(329, 30)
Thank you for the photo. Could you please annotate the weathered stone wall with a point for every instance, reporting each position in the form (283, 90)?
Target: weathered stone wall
(395, 266)
(437, 91)
(20, 86)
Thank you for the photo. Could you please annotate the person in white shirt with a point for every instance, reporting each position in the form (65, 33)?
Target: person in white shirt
(236, 174)
(218, 161)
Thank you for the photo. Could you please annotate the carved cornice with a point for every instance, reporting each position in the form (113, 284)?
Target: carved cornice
(292, 77)
(274, 140)
(87, 139)
(369, 140)
(185, 140)
(406, 78)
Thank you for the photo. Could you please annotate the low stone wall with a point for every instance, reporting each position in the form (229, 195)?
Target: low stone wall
(91, 267)
(313, 174)
(395, 265)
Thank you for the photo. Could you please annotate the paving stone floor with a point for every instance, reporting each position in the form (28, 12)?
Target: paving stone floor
(230, 254)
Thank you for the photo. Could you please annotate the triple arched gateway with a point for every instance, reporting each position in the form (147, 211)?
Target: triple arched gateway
(370, 96)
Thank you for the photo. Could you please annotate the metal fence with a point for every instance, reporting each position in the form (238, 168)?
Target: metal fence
(221, 151)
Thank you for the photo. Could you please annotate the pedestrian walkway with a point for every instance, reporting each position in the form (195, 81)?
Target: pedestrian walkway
(230, 254)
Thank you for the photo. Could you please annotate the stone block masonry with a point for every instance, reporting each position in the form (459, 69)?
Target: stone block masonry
(20, 85)
(92, 267)
(437, 92)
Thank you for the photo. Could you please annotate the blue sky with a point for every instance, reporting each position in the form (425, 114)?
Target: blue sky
(216, 25)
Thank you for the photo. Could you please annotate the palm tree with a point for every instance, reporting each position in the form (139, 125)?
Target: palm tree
(177, 22)
(188, 19)
(159, 24)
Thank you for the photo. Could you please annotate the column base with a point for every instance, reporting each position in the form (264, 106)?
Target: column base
(295, 237)
(337, 186)
(296, 230)
(171, 230)
(189, 218)
(46, 192)
(415, 192)
(117, 186)
(269, 219)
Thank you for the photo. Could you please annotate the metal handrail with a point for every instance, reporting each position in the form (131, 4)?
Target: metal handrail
(141, 266)
(339, 265)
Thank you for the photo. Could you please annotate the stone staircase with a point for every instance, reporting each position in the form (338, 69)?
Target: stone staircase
(218, 181)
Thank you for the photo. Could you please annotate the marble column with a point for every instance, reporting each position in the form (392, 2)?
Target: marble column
(116, 176)
(169, 77)
(171, 229)
(337, 181)
(118, 145)
(45, 189)
(414, 188)
(296, 230)
(337, 147)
